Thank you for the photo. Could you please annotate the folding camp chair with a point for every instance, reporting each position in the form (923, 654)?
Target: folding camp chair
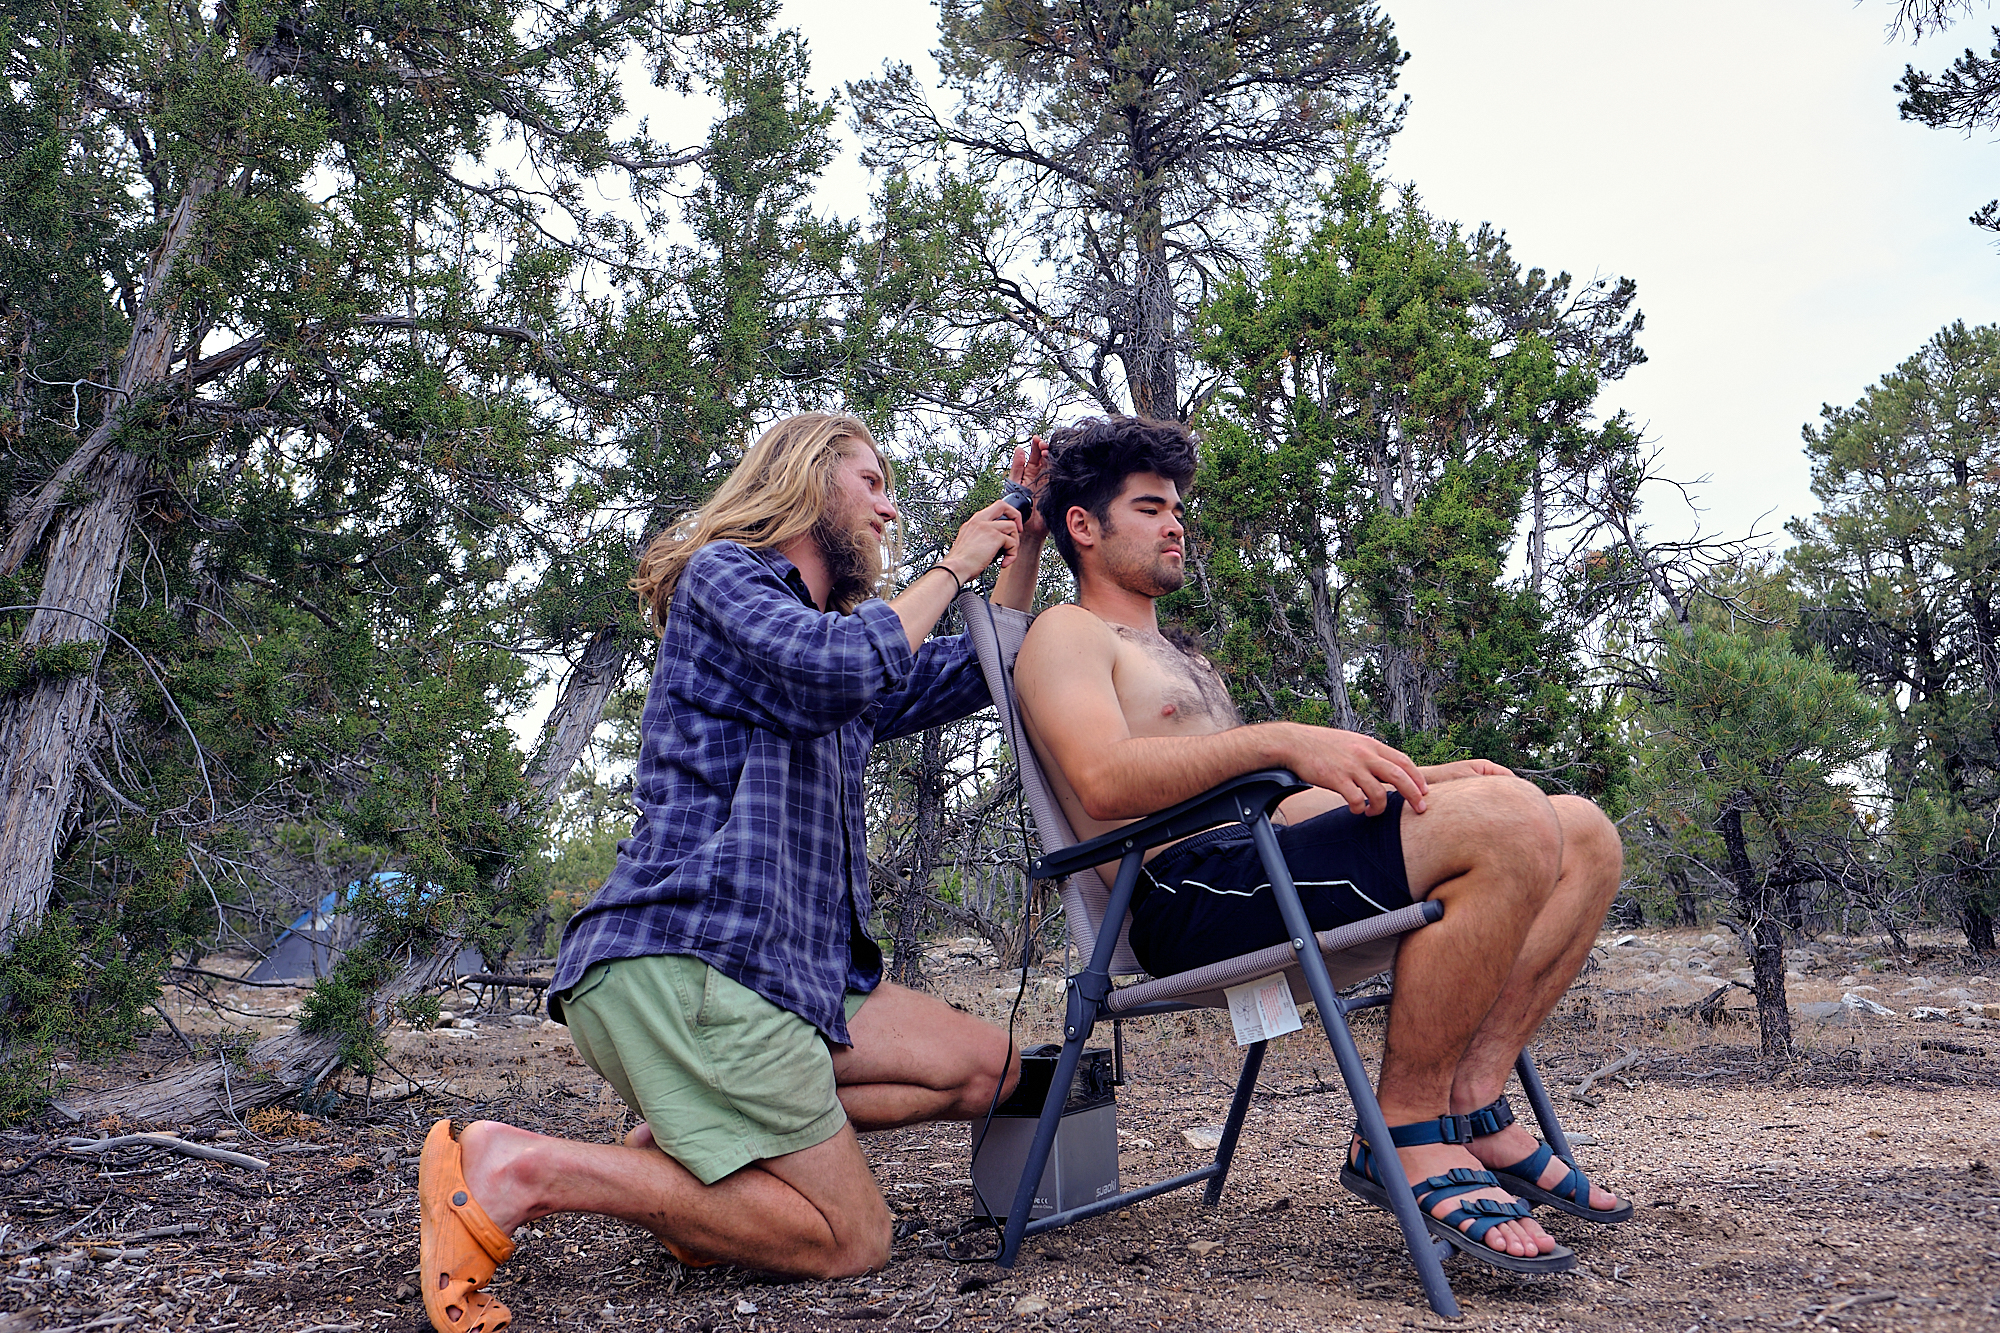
(1344, 956)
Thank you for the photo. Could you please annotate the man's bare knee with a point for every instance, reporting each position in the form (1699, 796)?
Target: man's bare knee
(1506, 824)
(861, 1247)
(988, 1082)
(1590, 839)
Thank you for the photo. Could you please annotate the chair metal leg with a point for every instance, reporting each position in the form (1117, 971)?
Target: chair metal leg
(1087, 990)
(1232, 1128)
(1333, 1017)
(1038, 1153)
(1545, 1111)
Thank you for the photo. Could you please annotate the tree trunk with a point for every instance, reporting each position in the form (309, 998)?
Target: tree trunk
(1151, 375)
(1686, 909)
(1978, 925)
(290, 1062)
(1794, 906)
(1767, 938)
(45, 726)
(908, 963)
(1767, 966)
(1327, 627)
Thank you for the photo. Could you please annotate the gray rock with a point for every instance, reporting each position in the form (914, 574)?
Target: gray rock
(1863, 1004)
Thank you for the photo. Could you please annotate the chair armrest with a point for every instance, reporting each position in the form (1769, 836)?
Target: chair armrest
(1223, 803)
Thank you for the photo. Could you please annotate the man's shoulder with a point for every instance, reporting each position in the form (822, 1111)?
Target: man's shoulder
(730, 569)
(1067, 625)
(1067, 622)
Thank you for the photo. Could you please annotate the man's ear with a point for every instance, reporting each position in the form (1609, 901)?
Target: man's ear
(1082, 525)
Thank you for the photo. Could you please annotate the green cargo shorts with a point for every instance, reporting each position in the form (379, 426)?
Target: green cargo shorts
(724, 1077)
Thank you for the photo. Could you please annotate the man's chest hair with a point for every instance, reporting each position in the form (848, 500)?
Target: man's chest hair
(1188, 685)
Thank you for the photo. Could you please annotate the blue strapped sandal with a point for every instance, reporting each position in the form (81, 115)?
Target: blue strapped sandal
(1359, 1178)
(1571, 1195)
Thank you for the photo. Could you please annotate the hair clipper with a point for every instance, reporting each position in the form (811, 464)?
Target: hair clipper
(1014, 493)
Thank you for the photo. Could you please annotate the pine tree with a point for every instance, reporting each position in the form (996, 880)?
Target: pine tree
(1133, 151)
(1750, 760)
(1901, 570)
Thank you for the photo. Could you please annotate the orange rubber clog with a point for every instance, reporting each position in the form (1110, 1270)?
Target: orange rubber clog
(460, 1246)
(685, 1259)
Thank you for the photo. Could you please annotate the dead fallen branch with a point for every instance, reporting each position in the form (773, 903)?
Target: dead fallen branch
(29, 1164)
(1581, 1092)
(160, 1233)
(104, 1253)
(502, 979)
(1865, 1298)
(108, 1321)
(50, 1242)
(1951, 1047)
(172, 1143)
(1709, 1010)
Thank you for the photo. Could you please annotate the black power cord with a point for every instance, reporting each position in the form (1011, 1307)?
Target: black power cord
(986, 1217)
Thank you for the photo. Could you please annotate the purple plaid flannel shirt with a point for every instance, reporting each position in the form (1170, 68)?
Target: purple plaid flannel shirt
(750, 851)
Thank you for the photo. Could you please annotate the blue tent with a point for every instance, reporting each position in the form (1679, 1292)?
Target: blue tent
(308, 948)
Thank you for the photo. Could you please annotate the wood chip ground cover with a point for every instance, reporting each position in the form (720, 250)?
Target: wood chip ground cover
(1858, 1189)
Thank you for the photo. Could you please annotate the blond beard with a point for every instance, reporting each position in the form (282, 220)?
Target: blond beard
(853, 558)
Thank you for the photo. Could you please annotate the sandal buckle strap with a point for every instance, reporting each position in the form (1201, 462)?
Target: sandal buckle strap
(1458, 1180)
(1493, 1117)
(1444, 1129)
(1494, 1207)
(1466, 1175)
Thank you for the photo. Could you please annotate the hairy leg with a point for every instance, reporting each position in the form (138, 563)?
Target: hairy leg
(917, 1059)
(814, 1213)
(1554, 952)
(1489, 849)
(914, 1059)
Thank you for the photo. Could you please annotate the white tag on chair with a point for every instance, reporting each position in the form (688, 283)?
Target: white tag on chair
(1262, 1009)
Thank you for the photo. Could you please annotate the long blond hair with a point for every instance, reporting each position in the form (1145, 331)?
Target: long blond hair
(777, 494)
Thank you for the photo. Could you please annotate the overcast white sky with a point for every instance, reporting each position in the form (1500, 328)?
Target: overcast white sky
(1792, 239)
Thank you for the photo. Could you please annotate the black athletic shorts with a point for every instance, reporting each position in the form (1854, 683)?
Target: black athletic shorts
(1206, 898)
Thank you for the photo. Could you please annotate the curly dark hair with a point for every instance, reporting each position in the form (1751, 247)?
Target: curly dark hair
(1089, 461)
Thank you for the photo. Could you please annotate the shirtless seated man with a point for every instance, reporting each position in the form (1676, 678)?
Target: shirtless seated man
(1127, 723)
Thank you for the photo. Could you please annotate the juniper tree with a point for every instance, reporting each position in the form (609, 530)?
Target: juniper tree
(336, 400)
(1396, 394)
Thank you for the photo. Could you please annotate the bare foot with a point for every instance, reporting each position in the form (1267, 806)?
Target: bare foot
(492, 1156)
(1515, 1144)
(1524, 1239)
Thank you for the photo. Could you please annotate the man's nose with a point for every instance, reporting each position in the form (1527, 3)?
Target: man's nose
(885, 508)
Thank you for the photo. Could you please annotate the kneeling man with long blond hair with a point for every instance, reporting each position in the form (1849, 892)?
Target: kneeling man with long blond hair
(721, 980)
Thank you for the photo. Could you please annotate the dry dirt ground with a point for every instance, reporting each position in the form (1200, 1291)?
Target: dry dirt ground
(1855, 1189)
